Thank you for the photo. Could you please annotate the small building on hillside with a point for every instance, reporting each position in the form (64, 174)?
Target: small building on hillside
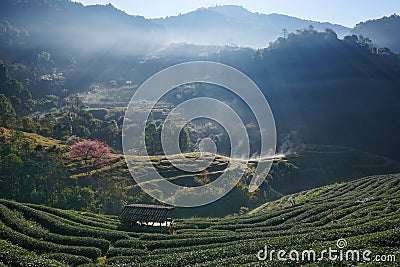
(146, 215)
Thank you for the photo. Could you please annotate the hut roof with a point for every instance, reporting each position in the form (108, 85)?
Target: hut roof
(145, 213)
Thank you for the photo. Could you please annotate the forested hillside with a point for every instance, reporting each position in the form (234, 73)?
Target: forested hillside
(383, 32)
(230, 24)
(69, 29)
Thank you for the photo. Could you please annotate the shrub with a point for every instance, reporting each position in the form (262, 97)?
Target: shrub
(9, 218)
(63, 226)
(43, 246)
(71, 260)
(11, 255)
(112, 252)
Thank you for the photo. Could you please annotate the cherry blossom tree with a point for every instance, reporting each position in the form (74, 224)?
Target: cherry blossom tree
(94, 154)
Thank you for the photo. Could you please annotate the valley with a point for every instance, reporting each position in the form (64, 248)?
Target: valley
(81, 141)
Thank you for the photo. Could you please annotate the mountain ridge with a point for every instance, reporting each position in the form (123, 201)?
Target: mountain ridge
(230, 24)
(71, 26)
(53, 24)
(382, 31)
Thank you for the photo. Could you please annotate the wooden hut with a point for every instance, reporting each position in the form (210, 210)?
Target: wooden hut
(144, 214)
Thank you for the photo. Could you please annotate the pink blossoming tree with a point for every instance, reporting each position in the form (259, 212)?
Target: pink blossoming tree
(94, 154)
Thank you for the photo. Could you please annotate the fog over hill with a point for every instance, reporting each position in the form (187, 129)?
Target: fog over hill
(384, 32)
(221, 25)
(74, 28)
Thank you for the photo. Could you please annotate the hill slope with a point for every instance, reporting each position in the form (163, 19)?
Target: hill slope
(364, 212)
(383, 32)
(230, 24)
(73, 28)
(309, 167)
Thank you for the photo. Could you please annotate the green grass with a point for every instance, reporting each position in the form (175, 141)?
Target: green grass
(366, 212)
(34, 139)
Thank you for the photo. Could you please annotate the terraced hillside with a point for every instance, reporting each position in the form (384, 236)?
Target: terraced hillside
(312, 166)
(365, 212)
(309, 167)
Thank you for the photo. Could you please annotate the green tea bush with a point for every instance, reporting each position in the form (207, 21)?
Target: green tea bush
(130, 243)
(62, 226)
(112, 252)
(44, 246)
(10, 219)
(72, 216)
(71, 260)
(11, 255)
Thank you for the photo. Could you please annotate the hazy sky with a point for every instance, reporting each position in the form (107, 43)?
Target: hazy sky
(345, 12)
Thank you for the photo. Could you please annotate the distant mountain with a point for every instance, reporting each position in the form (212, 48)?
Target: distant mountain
(384, 32)
(71, 27)
(232, 24)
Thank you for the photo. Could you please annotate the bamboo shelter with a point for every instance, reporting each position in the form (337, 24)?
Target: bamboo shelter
(147, 215)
